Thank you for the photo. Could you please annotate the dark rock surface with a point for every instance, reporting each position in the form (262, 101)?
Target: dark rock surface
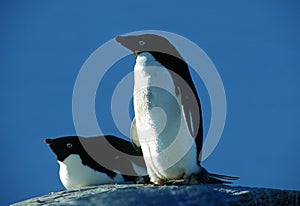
(123, 195)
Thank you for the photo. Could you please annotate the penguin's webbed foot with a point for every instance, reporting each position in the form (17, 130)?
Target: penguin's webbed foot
(142, 180)
(177, 182)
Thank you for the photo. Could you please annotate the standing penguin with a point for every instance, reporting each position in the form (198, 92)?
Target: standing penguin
(168, 120)
(96, 160)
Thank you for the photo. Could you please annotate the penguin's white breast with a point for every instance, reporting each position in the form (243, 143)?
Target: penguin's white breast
(74, 174)
(151, 82)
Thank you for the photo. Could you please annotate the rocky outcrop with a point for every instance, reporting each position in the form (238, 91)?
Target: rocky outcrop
(130, 194)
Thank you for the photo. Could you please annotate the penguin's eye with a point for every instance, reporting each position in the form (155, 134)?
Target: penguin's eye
(142, 43)
(69, 145)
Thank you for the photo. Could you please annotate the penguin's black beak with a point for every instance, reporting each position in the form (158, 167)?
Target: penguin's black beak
(120, 39)
(48, 141)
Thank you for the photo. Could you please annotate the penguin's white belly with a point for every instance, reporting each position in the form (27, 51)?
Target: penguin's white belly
(73, 174)
(166, 156)
(168, 148)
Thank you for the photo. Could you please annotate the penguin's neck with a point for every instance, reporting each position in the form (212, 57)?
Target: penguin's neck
(146, 59)
(148, 72)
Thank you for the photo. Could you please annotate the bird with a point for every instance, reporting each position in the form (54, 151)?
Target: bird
(168, 123)
(97, 160)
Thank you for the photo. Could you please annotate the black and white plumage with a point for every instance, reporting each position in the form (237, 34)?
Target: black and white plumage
(91, 161)
(168, 120)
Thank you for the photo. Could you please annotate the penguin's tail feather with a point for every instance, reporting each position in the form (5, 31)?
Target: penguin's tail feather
(210, 178)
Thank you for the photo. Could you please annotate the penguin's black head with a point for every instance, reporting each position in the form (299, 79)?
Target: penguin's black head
(62, 147)
(148, 43)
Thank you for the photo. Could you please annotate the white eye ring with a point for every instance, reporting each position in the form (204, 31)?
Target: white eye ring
(69, 145)
(142, 43)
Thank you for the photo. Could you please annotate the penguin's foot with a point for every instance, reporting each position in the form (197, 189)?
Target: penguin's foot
(142, 180)
(185, 180)
(177, 182)
(159, 182)
(194, 179)
(204, 177)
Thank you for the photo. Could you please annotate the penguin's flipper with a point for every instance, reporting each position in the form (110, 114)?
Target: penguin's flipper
(134, 135)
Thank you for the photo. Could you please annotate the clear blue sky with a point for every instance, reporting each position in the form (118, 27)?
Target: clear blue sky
(255, 46)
